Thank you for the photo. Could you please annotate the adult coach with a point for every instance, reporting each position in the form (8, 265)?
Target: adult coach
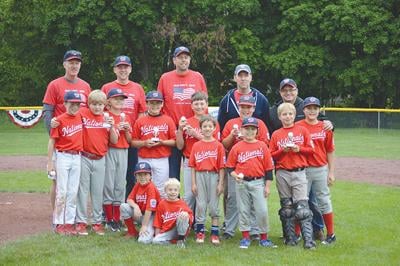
(229, 109)
(53, 101)
(177, 87)
(289, 94)
(134, 106)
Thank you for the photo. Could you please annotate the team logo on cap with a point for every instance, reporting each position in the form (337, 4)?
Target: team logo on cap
(123, 59)
(313, 99)
(119, 90)
(286, 80)
(142, 166)
(251, 120)
(155, 94)
(246, 97)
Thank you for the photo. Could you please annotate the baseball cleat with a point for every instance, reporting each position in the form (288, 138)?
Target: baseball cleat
(60, 229)
(244, 243)
(215, 240)
(226, 236)
(70, 230)
(98, 229)
(181, 244)
(255, 237)
(200, 238)
(329, 239)
(81, 229)
(310, 245)
(267, 243)
(319, 235)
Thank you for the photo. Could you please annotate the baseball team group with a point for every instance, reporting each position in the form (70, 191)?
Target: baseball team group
(117, 154)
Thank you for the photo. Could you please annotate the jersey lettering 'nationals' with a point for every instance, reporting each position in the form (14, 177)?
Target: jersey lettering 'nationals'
(68, 135)
(166, 213)
(291, 160)
(322, 140)
(95, 135)
(144, 130)
(122, 141)
(207, 156)
(250, 159)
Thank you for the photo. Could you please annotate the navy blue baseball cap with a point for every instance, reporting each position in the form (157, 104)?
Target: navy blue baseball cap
(247, 100)
(311, 101)
(72, 54)
(73, 97)
(142, 167)
(242, 67)
(154, 96)
(181, 49)
(122, 60)
(250, 121)
(289, 82)
(116, 93)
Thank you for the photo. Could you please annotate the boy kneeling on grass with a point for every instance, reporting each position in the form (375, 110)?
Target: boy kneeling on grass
(141, 204)
(173, 217)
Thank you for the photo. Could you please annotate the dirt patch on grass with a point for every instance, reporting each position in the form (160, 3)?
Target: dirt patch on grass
(25, 214)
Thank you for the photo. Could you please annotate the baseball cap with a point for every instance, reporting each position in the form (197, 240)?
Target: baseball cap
(289, 82)
(311, 101)
(242, 67)
(250, 121)
(154, 96)
(181, 49)
(72, 54)
(122, 60)
(115, 93)
(142, 167)
(73, 97)
(247, 100)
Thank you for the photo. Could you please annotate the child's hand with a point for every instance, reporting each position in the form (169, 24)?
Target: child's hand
(239, 177)
(137, 213)
(331, 179)
(110, 120)
(183, 215)
(220, 189)
(182, 124)
(194, 189)
(266, 191)
(296, 148)
(143, 231)
(54, 123)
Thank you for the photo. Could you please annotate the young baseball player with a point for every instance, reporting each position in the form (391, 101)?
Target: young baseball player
(97, 133)
(320, 172)
(173, 217)
(230, 136)
(66, 140)
(140, 205)
(116, 161)
(250, 164)
(154, 135)
(207, 161)
(290, 147)
(187, 135)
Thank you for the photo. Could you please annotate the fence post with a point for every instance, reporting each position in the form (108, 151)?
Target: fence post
(379, 121)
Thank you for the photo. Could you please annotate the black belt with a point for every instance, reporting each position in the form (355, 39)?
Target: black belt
(91, 156)
(250, 178)
(295, 169)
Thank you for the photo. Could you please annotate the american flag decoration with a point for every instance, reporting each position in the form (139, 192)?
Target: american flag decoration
(25, 118)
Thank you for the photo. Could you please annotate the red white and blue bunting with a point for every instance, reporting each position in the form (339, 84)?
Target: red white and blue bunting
(25, 118)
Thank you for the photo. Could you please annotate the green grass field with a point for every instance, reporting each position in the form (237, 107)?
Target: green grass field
(366, 219)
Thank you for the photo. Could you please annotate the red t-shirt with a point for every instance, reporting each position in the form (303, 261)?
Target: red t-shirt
(177, 91)
(144, 129)
(68, 135)
(262, 134)
(322, 140)
(190, 140)
(207, 156)
(237, 95)
(145, 196)
(250, 159)
(136, 101)
(122, 141)
(166, 213)
(95, 136)
(290, 160)
(57, 88)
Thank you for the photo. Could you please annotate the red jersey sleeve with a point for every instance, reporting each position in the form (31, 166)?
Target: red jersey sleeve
(153, 198)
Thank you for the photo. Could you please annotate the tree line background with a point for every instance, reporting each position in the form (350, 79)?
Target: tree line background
(346, 51)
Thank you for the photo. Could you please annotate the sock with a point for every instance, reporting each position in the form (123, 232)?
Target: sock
(131, 226)
(200, 228)
(108, 211)
(297, 229)
(328, 220)
(263, 236)
(116, 213)
(215, 230)
(246, 234)
(181, 237)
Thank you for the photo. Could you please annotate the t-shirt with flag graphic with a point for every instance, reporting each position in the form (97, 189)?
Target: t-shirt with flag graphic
(167, 212)
(145, 196)
(68, 135)
(207, 156)
(178, 90)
